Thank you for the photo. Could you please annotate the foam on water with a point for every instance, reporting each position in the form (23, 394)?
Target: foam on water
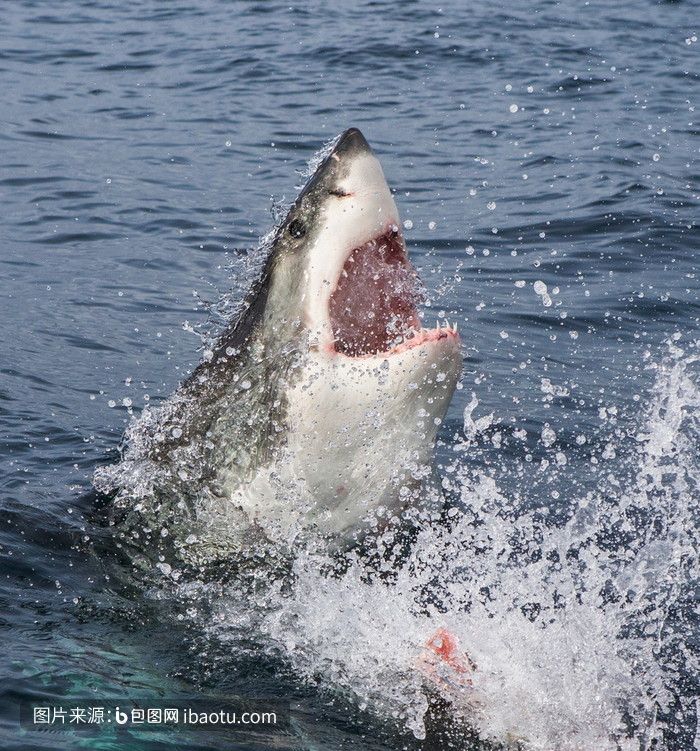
(574, 628)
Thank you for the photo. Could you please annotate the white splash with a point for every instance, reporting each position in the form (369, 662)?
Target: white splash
(318, 158)
(566, 624)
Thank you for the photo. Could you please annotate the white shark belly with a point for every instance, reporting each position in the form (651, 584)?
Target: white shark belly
(360, 435)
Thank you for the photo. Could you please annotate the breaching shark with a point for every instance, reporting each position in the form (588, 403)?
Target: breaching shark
(317, 409)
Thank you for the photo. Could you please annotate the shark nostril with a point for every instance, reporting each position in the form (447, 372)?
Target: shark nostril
(338, 192)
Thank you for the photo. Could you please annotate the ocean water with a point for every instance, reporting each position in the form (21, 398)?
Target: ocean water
(545, 161)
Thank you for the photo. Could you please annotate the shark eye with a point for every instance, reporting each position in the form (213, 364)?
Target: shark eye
(297, 228)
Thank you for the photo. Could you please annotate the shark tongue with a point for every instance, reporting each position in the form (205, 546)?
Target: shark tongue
(374, 303)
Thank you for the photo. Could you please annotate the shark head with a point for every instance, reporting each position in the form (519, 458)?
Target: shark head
(339, 268)
(371, 386)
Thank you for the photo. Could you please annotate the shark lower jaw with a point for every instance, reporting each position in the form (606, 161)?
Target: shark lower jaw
(373, 310)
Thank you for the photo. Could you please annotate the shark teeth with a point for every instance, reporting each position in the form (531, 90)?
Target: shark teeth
(440, 326)
(446, 325)
(417, 337)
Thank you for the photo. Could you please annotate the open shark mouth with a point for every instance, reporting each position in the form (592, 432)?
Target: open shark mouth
(374, 307)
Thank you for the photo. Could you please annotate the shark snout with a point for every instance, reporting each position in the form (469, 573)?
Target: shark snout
(359, 175)
(351, 143)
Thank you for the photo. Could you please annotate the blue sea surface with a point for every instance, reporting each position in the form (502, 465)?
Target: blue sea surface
(544, 157)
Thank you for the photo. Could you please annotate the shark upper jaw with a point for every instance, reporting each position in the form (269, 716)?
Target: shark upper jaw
(363, 292)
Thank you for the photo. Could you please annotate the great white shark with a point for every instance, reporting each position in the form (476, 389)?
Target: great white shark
(316, 411)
